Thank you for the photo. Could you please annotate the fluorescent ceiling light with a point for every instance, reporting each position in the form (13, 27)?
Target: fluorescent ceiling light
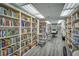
(60, 21)
(66, 12)
(39, 16)
(68, 8)
(71, 5)
(48, 22)
(31, 9)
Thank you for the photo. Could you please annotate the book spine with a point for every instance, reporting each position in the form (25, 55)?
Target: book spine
(0, 43)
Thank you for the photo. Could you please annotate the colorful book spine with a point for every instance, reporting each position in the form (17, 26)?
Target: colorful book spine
(1, 10)
(3, 43)
(4, 52)
(22, 23)
(0, 43)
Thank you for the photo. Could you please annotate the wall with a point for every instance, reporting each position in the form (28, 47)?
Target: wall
(63, 29)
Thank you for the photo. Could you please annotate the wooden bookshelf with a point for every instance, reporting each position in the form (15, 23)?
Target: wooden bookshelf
(18, 31)
(9, 31)
(42, 30)
(75, 32)
(72, 31)
(34, 32)
(69, 31)
(25, 33)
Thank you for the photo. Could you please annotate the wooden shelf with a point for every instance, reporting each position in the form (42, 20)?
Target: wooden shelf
(9, 36)
(9, 26)
(7, 16)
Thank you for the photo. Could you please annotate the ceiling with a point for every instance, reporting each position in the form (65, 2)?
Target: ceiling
(51, 11)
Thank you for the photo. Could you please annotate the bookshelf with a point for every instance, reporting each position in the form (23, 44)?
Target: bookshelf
(69, 31)
(18, 31)
(75, 32)
(72, 27)
(42, 30)
(25, 33)
(34, 32)
(9, 31)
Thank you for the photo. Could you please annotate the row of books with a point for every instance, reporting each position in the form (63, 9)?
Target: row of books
(34, 20)
(76, 31)
(9, 41)
(8, 22)
(24, 23)
(28, 29)
(34, 30)
(9, 50)
(23, 37)
(24, 30)
(8, 32)
(75, 40)
(6, 11)
(34, 24)
(0, 52)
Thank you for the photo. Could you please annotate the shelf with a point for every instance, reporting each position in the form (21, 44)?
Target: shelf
(10, 26)
(14, 52)
(75, 35)
(9, 16)
(9, 36)
(23, 33)
(23, 40)
(9, 45)
(75, 21)
(26, 20)
(25, 27)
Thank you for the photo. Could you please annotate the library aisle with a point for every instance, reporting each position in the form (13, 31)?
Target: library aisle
(53, 47)
(39, 29)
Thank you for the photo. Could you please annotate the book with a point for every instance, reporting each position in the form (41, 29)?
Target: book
(1, 21)
(17, 39)
(5, 11)
(10, 50)
(0, 52)
(17, 45)
(8, 41)
(10, 22)
(22, 23)
(4, 52)
(3, 43)
(0, 43)
(14, 14)
(12, 40)
(1, 10)
(0, 32)
(3, 33)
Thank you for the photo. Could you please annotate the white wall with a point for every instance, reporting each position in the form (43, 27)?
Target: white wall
(48, 28)
(63, 28)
